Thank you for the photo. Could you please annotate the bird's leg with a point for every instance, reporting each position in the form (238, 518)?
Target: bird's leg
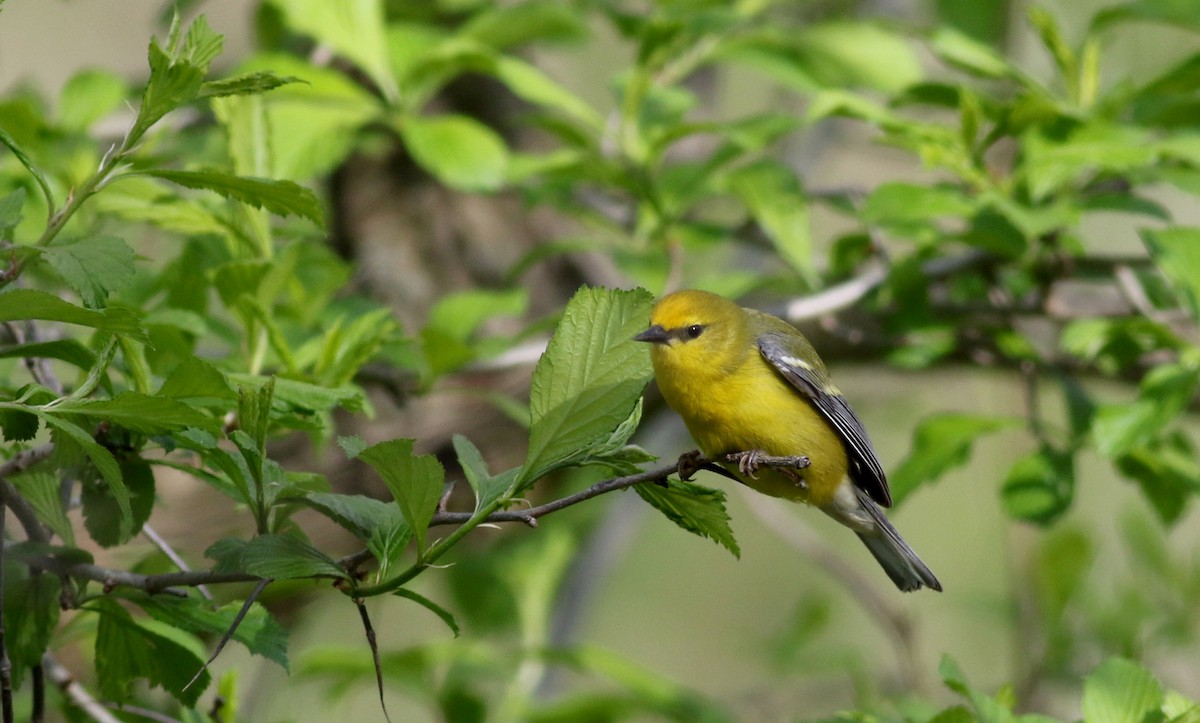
(748, 462)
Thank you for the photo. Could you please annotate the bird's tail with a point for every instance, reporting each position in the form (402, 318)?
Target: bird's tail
(889, 548)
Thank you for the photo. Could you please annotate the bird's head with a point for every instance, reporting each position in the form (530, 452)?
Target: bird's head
(699, 330)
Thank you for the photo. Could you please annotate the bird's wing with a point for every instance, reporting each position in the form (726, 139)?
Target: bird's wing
(814, 384)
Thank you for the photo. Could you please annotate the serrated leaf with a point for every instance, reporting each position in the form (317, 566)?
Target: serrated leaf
(589, 379)
(281, 197)
(282, 557)
(245, 84)
(941, 443)
(139, 412)
(1120, 691)
(775, 200)
(128, 649)
(21, 304)
(175, 78)
(361, 516)
(697, 509)
(415, 481)
(258, 631)
(459, 151)
(431, 606)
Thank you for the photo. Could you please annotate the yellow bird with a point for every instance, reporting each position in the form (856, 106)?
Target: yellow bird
(748, 382)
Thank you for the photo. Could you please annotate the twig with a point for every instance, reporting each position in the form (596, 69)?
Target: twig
(165, 583)
(890, 616)
(262, 585)
(141, 712)
(75, 692)
(369, 630)
(5, 663)
(38, 674)
(173, 556)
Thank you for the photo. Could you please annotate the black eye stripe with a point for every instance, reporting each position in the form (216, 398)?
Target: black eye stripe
(687, 333)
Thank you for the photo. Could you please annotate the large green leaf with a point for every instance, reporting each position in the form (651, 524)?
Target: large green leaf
(102, 514)
(279, 557)
(32, 603)
(128, 649)
(351, 28)
(697, 509)
(1039, 487)
(590, 378)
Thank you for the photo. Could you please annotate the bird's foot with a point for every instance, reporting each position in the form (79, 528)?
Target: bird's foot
(748, 462)
(689, 464)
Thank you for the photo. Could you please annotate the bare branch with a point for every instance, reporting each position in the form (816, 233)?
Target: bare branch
(173, 556)
(75, 692)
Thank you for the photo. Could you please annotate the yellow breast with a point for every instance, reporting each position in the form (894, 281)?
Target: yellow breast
(753, 408)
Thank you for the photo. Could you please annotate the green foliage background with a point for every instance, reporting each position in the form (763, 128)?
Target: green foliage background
(992, 249)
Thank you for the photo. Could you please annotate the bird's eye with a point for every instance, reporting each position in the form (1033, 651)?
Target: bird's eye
(694, 331)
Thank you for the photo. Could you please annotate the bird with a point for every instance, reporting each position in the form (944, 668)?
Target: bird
(749, 385)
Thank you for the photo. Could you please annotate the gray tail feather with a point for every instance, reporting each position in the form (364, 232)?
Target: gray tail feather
(893, 553)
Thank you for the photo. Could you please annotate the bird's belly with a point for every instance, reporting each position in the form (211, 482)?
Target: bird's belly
(774, 418)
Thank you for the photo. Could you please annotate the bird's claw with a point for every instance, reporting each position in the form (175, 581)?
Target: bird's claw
(748, 462)
(689, 464)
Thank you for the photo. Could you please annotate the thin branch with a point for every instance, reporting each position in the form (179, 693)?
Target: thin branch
(889, 615)
(75, 692)
(38, 674)
(262, 585)
(173, 556)
(6, 699)
(166, 583)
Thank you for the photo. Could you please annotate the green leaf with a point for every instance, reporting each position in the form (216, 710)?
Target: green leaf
(258, 631)
(32, 603)
(534, 86)
(697, 509)
(70, 351)
(1039, 487)
(102, 514)
(21, 304)
(505, 26)
(89, 96)
(968, 54)
(26, 161)
(361, 516)
(281, 557)
(104, 461)
(176, 74)
(1168, 472)
(1176, 251)
(896, 203)
(459, 151)
(415, 481)
(1120, 691)
(139, 413)
(245, 84)
(1164, 392)
(1060, 569)
(775, 200)
(283, 198)
(44, 493)
(941, 443)
(486, 487)
(460, 314)
(1175, 13)
(198, 382)
(351, 28)
(128, 649)
(94, 266)
(10, 211)
(589, 379)
(431, 606)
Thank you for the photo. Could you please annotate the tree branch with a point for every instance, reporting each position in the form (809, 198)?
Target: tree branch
(75, 692)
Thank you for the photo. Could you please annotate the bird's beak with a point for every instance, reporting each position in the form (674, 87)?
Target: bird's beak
(655, 334)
